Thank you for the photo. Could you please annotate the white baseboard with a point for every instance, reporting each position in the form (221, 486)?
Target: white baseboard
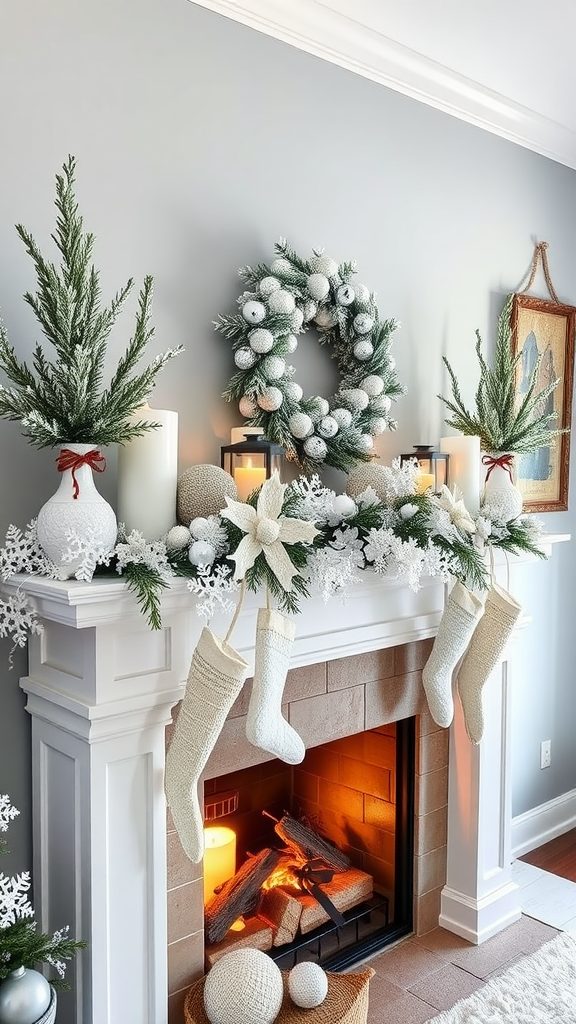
(543, 823)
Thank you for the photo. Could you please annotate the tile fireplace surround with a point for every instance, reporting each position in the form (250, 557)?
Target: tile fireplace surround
(100, 690)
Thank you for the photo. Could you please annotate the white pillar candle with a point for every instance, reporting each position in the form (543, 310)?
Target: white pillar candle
(148, 475)
(464, 470)
(219, 858)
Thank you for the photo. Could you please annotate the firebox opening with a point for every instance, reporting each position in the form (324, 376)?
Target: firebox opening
(356, 792)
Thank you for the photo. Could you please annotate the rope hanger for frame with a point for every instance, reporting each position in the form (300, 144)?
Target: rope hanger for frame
(540, 254)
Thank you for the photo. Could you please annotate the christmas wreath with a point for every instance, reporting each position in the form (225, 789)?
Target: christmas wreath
(284, 300)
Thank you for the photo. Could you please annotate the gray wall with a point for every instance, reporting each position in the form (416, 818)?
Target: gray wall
(199, 142)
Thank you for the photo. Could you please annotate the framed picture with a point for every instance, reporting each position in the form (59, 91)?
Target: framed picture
(543, 332)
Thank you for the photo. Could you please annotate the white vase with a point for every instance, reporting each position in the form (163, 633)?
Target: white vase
(500, 491)
(27, 998)
(76, 510)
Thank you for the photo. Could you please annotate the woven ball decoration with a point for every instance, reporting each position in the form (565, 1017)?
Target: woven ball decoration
(307, 985)
(202, 491)
(243, 987)
(368, 475)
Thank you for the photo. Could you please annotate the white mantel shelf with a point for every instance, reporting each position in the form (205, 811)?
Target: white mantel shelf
(100, 690)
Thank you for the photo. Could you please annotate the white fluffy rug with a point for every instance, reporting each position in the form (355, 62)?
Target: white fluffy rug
(540, 989)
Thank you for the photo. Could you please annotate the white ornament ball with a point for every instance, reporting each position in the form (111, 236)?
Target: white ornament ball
(291, 342)
(362, 293)
(343, 417)
(345, 295)
(300, 425)
(201, 553)
(328, 427)
(243, 987)
(310, 310)
(281, 302)
(356, 398)
(363, 323)
(320, 407)
(382, 403)
(307, 985)
(178, 538)
(293, 391)
(378, 425)
(198, 527)
(344, 505)
(363, 350)
(253, 311)
(261, 340)
(372, 385)
(324, 265)
(296, 319)
(365, 443)
(318, 286)
(247, 406)
(268, 285)
(244, 358)
(281, 266)
(270, 399)
(325, 318)
(316, 448)
(273, 367)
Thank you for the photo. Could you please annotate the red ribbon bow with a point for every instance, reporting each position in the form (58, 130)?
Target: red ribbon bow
(72, 460)
(504, 461)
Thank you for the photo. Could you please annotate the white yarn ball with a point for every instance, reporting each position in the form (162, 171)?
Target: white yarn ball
(297, 319)
(328, 427)
(201, 553)
(345, 295)
(343, 417)
(273, 367)
(310, 310)
(363, 323)
(362, 293)
(281, 266)
(293, 391)
(307, 985)
(281, 302)
(318, 286)
(244, 358)
(315, 447)
(378, 426)
(247, 406)
(243, 987)
(291, 342)
(365, 443)
(363, 350)
(382, 403)
(300, 425)
(261, 340)
(325, 318)
(372, 385)
(324, 265)
(198, 527)
(178, 538)
(268, 285)
(356, 398)
(270, 399)
(343, 505)
(253, 312)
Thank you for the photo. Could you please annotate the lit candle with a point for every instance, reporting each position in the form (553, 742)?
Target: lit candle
(219, 858)
(148, 475)
(424, 481)
(247, 478)
(465, 467)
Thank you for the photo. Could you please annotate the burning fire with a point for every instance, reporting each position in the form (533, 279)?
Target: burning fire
(285, 876)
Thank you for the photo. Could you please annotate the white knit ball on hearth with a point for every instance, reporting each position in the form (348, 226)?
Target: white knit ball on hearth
(318, 286)
(261, 340)
(247, 406)
(307, 985)
(244, 358)
(300, 425)
(243, 987)
(315, 447)
(268, 285)
(363, 350)
(270, 399)
(202, 491)
(253, 311)
(281, 302)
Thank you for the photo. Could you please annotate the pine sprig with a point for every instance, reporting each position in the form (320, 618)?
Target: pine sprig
(22, 945)
(147, 585)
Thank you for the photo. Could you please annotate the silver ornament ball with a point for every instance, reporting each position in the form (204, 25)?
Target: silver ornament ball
(273, 367)
(363, 323)
(253, 311)
(247, 407)
(300, 425)
(316, 448)
(363, 350)
(244, 358)
(261, 340)
(328, 427)
(345, 295)
(25, 996)
(318, 286)
(270, 399)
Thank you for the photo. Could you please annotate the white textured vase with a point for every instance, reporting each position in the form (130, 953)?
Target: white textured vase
(75, 510)
(500, 491)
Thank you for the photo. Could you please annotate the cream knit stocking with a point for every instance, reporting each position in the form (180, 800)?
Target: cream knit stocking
(457, 625)
(265, 726)
(490, 637)
(215, 679)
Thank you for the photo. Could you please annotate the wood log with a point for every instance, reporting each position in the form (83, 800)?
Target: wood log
(257, 934)
(283, 910)
(310, 844)
(239, 896)
(346, 890)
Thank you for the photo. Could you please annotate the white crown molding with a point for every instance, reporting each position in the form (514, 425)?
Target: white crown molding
(344, 40)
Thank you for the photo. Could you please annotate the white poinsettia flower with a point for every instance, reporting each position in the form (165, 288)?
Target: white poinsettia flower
(267, 532)
(453, 504)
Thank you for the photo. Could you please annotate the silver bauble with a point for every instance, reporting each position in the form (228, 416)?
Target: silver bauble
(25, 996)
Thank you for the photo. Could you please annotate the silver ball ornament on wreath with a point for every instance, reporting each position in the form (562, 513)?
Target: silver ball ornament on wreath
(323, 265)
(316, 448)
(262, 988)
(365, 443)
(345, 295)
(261, 340)
(319, 406)
(363, 350)
(382, 403)
(281, 302)
(253, 311)
(25, 997)
(343, 417)
(378, 426)
(245, 358)
(201, 553)
(270, 399)
(281, 266)
(268, 285)
(273, 367)
(373, 385)
(307, 985)
(293, 391)
(247, 407)
(318, 286)
(363, 323)
(325, 319)
(327, 427)
(202, 491)
(362, 294)
(344, 505)
(309, 310)
(300, 425)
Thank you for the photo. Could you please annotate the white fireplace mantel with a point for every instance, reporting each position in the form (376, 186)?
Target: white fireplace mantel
(100, 690)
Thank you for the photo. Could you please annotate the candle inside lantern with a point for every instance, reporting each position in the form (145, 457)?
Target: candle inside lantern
(424, 481)
(148, 475)
(247, 477)
(464, 452)
(219, 858)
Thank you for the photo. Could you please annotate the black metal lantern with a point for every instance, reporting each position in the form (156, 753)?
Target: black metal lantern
(251, 462)
(434, 467)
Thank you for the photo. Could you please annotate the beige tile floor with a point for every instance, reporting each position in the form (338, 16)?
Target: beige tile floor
(421, 976)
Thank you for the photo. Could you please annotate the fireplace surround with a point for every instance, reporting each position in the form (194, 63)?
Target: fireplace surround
(101, 688)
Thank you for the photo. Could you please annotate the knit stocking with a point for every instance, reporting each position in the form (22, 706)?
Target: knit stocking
(490, 637)
(265, 726)
(215, 679)
(456, 627)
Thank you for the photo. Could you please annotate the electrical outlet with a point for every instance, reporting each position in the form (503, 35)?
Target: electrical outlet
(545, 753)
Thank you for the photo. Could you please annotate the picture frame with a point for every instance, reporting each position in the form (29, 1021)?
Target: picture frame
(544, 330)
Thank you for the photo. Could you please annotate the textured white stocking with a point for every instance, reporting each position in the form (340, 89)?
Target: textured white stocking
(215, 679)
(459, 620)
(265, 725)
